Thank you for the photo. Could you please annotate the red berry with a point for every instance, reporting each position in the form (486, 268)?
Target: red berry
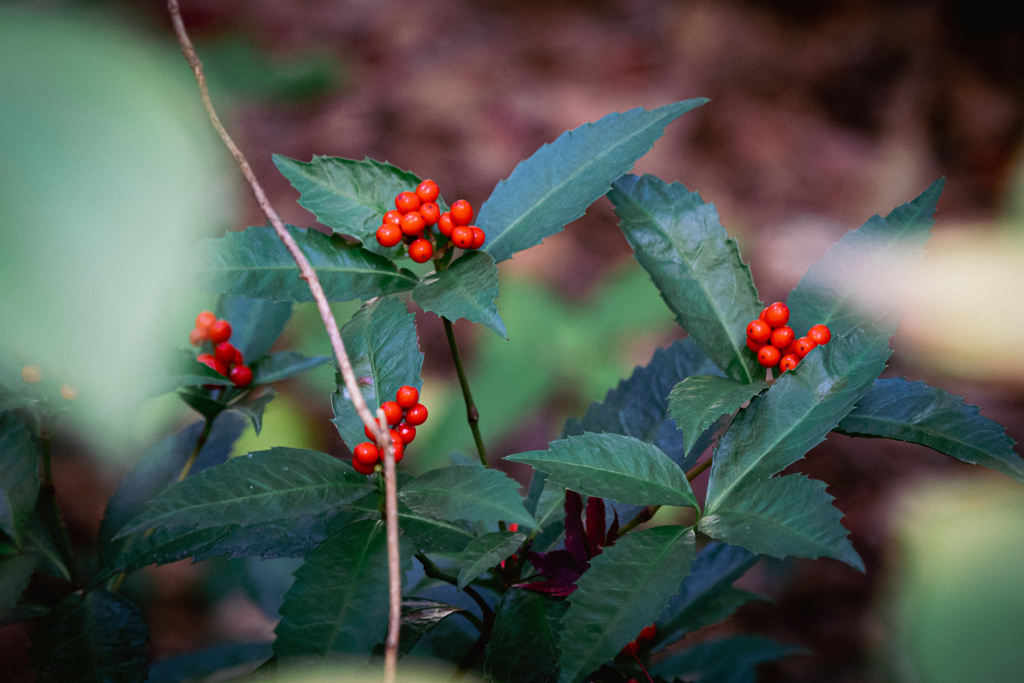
(204, 320)
(392, 412)
(769, 356)
(777, 314)
(399, 445)
(197, 336)
(416, 415)
(407, 396)
(421, 250)
(393, 216)
(369, 434)
(819, 334)
(225, 352)
(413, 223)
(445, 224)
(789, 350)
(407, 201)
(430, 212)
(513, 526)
(462, 237)
(759, 331)
(407, 432)
(428, 191)
(389, 234)
(222, 368)
(479, 237)
(788, 362)
(366, 453)
(462, 212)
(220, 331)
(754, 346)
(361, 468)
(782, 337)
(207, 360)
(803, 346)
(647, 634)
(241, 376)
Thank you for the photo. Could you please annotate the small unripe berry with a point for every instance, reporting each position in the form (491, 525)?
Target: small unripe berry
(389, 234)
(241, 376)
(407, 201)
(416, 415)
(407, 396)
(220, 331)
(462, 212)
(31, 374)
(68, 393)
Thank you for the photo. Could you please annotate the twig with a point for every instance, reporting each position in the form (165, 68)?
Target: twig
(472, 414)
(394, 561)
(309, 275)
(647, 513)
(434, 572)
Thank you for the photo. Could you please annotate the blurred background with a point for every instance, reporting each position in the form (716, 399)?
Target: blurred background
(822, 114)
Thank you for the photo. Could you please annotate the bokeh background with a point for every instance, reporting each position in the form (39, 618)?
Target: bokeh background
(822, 114)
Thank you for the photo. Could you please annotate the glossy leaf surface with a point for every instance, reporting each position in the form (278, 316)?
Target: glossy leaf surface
(19, 477)
(486, 551)
(523, 647)
(467, 289)
(698, 401)
(469, 493)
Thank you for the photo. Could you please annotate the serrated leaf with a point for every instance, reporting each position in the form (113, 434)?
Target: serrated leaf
(624, 590)
(347, 195)
(556, 185)
(266, 486)
(338, 603)
(98, 637)
(486, 551)
(828, 293)
(426, 534)
(679, 241)
(284, 364)
(727, 660)
(791, 515)
(254, 405)
(382, 346)
(255, 323)
(523, 643)
(469, 493)
(786, 421)
(467, 289)
(15, 572)
(202, 404)
(419, 617)
(19, 476)
(698, 401)
(894, 408)
(255, 263)
(613, 466)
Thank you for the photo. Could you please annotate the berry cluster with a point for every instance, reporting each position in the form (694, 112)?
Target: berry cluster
(417, 211)
(772, 340)
(225, 359)
(407, 407)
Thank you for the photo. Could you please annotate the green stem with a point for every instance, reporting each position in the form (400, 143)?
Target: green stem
(472, 414)
(647, 513)
(49, 493)
(434, 572)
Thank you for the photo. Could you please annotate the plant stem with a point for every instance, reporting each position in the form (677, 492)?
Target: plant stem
(647, 513)
(200, 442)
(434, 572)
(49, 494)
(472, 414)
(394, 561)
(697, 469)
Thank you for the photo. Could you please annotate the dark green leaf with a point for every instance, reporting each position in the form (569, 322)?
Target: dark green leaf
(347, 195)
(202, 404)
(728, 660)
(625, 589)
(267, 486)
(196, 666)
(556, 185)
(98, 637)
(382, 346)
(486, 551)
(19, 477)
(828, 293)
(613, 466)
(470, 493)
(419, 617)
(255, 323)
(254, 405)
(523, 643)
(791, 515)
(698, 401)
(913, 411)
(255, 263)
(339, 601)
(786, 421)
(189, 372)
(426, 534)
(43, 536)
(284, 364)
(15, 571)
(467, 290)
(680, 242)
(551, 505)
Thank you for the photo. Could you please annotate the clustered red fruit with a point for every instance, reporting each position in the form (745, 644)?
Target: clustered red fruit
(225, 359)
(404, 414)
(416, 212)
(772, 340)
(646, 636)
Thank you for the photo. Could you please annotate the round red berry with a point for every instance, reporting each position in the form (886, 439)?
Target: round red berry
(220, 331)
(407, 432)
(407, 396)
(777, 314)
(361, 468)
(389, 234)
(392, 412)
(207, 360)
(820, 335)
(204, 320)
(369, 434)
(803, 346)
(421, 250)
(462, 212)
(416, 415)
(241, 376)
(788, 362)
(398, 445)
(197, 336)
(759, 331)
(647, 634)
(445, 224)
(225, 352)
(768, 356)
(413, 223)
(782, 337)
(462, 237)
(407, 201)
(428, 191)
(366, 453)
(430, 212)
(754, 346)
(393, 216)
(479, 237)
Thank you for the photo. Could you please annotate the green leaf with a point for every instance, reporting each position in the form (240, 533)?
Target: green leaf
(782, 516)
(698, 401)
(786, 421)
(613, 466)
(267, 486)
(255, 323)
(284, 364)
(254, 405)
(339, 601)
(486, 551)
(680, 242)
(19, 477)
(202, 404)
(426, 534)
(98, 637)
(419, 617)
(523, 644)
(189, 372)
(201, 665)
(15, 572)
(556, 185)
(828, 292)
(255, 263)
(470, 493)
(913, 411)
(624, 590)
(466, 289)
(728, 660)
(347, 195)
(382, 346)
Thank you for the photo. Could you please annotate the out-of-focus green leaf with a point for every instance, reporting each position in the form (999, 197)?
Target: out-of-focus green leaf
(19, 475)
(189, 372)
(556, 185)
(284, 364)
(727, 660)
(15, 571)
(486, 551)
(239, 67)
(523, 647)
(678, 239)
(469, 493)
(195, 666)
(255, 323)
(254, 405)
(419, 617)
(467, 290)
(698, 401)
